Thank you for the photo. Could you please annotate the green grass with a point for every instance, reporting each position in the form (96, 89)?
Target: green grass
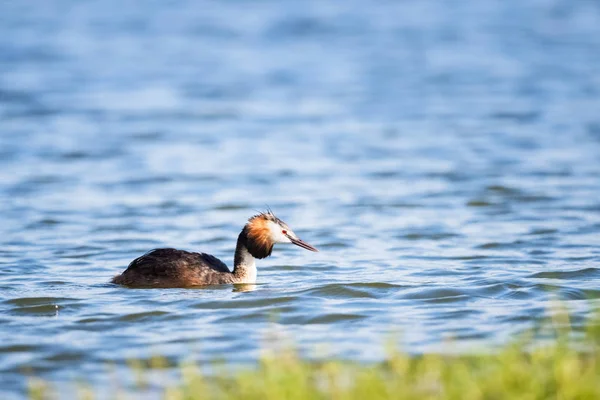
(561, 369)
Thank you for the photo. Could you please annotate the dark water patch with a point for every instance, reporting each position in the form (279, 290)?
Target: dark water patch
(77, 252)
(20, 348)
(579, 259)
(296, 268)
(460, 313)
(300, 27)
(116, 227)
(75, 155)
(384, 174)
(22, 268)
(591, 294)
(572, 294)
(37, 111)
(333, 245)
(492, 290)
(438, 272)
(502, 190)
(35, 301)
(532, 198)
(66, 356)
(150, 136)
(18, 97)
(231, 207)
(82, 255)
(516, 244)
(155, 315)
(543, 231)
(450, 176)
(42, 306)
(93, 320)
(527, 291)
(479, 203)
(588, 273)
(521, 117)
(281, 313)
(255, 316)
(242, 303)
(147, 180)
(286, 173)
(492, 245)
(428, 235)
(437, 295)
(467, 334)
(404, 205)
(473, 257)
(531, 317)
(173, 205)
(331, 318)
(39, 310)
(44, 223)
(353, 290)
(523, 261)
(147, 363)
(538, 252)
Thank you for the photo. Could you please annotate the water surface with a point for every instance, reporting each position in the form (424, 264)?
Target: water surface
(443, 156)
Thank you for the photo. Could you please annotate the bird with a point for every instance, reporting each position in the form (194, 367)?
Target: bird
(170, 268)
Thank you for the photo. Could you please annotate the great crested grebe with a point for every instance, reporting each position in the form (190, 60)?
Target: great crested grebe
(179, 268)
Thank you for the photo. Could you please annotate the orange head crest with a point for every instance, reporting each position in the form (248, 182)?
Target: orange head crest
(264, 230)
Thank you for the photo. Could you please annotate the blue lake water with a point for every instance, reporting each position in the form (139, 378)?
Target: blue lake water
(444, 156)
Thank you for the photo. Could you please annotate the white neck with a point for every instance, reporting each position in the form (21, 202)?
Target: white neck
(244, 268)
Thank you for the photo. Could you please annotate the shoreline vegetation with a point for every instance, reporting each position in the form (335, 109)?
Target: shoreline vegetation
(560, 368)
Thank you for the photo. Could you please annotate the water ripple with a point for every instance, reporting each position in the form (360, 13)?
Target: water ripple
(451, 186)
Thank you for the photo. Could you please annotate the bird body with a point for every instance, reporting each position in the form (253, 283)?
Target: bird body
(179, 268)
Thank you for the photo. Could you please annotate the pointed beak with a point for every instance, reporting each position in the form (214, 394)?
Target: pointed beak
(302, 244)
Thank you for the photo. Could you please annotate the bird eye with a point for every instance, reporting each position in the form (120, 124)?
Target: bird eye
(284, 232)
